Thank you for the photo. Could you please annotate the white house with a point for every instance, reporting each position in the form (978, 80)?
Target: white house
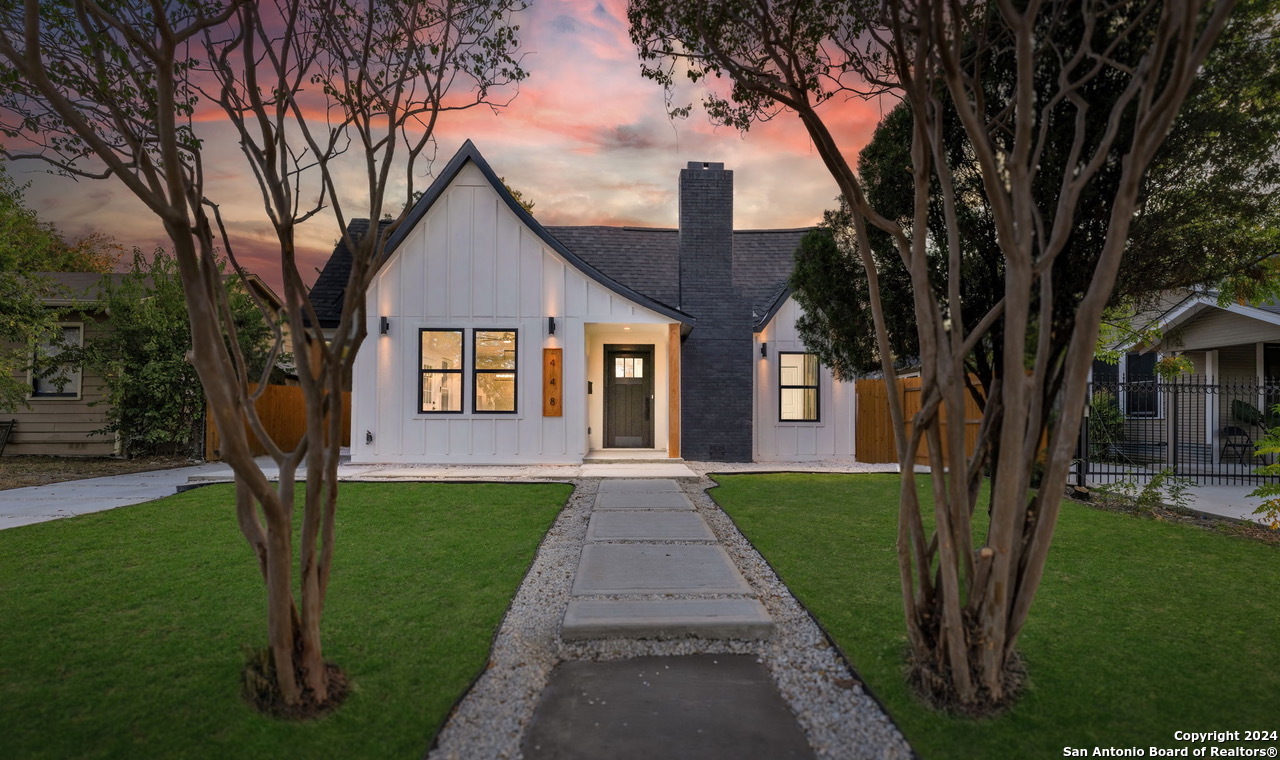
(494, 339)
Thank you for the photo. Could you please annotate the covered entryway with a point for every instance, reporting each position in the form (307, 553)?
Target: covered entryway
(633, 390)
(628, 397)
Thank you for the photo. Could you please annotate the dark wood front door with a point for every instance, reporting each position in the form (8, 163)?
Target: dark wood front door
(628, 397)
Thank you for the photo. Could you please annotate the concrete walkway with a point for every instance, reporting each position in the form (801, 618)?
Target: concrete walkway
(651, 568)
(35, 504)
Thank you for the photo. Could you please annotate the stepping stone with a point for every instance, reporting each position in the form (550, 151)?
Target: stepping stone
(709, 707)
(648, 525)
(640, 500)
(644, 485)
(648, 470)
(656, 569)
(666, 618)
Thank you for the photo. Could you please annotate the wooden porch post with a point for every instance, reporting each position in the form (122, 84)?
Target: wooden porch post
(673, 391)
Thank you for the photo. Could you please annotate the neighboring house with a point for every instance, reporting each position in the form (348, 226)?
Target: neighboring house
(64, 411)
(1210, 417)
(495, 339)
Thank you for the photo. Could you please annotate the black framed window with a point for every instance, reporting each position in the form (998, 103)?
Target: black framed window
(64, 381)
(1142, 392)
(441, 363)
(797, 387)
(494, 382)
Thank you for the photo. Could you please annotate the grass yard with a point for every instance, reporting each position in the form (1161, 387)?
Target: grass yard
(123, 630)
(1140, 629)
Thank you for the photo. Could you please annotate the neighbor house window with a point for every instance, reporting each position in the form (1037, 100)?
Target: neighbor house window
(797, 387)
(63, 381)
(1132, 382)
(495, 370)
(1141, 392)
(441, 363)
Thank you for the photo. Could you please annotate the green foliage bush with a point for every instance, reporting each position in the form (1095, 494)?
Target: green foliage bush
(1106, 425)
(157, 402)
(1269, 491)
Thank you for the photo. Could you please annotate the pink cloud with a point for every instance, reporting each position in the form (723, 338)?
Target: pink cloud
(587, 138)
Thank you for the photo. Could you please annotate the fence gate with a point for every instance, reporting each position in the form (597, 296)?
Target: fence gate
(874, 440)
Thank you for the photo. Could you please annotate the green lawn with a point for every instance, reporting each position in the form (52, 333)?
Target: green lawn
(1140, 629)
(123, 630)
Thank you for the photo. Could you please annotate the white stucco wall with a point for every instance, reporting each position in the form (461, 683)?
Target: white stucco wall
(470, 263)
(832, 436)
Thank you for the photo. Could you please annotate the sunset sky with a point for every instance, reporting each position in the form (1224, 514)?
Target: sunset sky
(587, 139)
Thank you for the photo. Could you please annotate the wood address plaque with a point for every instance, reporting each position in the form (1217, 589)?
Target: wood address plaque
(552, 382)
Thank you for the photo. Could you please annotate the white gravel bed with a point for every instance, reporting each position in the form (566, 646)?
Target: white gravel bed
(839, 718)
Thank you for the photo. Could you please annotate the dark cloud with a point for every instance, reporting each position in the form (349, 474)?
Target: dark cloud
(565, 25)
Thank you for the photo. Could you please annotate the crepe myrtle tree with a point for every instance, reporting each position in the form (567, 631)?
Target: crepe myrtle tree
(1091, 91)
(114, 89)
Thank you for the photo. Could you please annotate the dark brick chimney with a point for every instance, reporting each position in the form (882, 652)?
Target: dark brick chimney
(716, 365)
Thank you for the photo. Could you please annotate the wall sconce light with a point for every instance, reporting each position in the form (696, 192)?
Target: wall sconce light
(368, 436)
(551, 325)
(764, 350)
(386, 325)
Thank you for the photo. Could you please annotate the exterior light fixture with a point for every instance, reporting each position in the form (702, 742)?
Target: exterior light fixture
(764, 350)
(551, 325)
(368, 436)
(386, 325)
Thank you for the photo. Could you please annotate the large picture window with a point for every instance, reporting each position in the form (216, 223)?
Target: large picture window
(797, 387)
(63, 382)
(441, 366)
(495, 371)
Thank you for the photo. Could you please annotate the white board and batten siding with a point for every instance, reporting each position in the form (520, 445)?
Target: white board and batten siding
(470, 264)
(832, 436)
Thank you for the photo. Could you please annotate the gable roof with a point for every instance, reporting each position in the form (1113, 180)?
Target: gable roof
(638, 263)
(469, 153)
(1192, 307)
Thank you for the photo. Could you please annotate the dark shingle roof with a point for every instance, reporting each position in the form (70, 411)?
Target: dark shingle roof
(330, 287)
(762, 262)
(646, 259)
(642, 258)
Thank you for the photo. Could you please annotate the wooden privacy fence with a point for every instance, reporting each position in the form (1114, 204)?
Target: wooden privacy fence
(874, 428)
(283, 415)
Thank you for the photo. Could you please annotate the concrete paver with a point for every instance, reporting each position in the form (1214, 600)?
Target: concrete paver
(709, 707)
(642, 500)
(648, 525)
(646, 470)
(638, 485)
(666, 618)
(657, 569)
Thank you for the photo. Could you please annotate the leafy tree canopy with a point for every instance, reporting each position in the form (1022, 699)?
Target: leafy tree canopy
(157, 402)
(1209, 215)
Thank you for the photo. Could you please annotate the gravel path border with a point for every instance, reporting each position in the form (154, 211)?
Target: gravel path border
(840, 719)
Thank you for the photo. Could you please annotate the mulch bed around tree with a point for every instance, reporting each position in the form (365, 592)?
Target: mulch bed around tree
(23, 471)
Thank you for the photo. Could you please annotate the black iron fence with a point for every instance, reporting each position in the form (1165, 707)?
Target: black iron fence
(1189, 427)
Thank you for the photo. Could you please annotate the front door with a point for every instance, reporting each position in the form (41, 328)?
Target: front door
(628, 397)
